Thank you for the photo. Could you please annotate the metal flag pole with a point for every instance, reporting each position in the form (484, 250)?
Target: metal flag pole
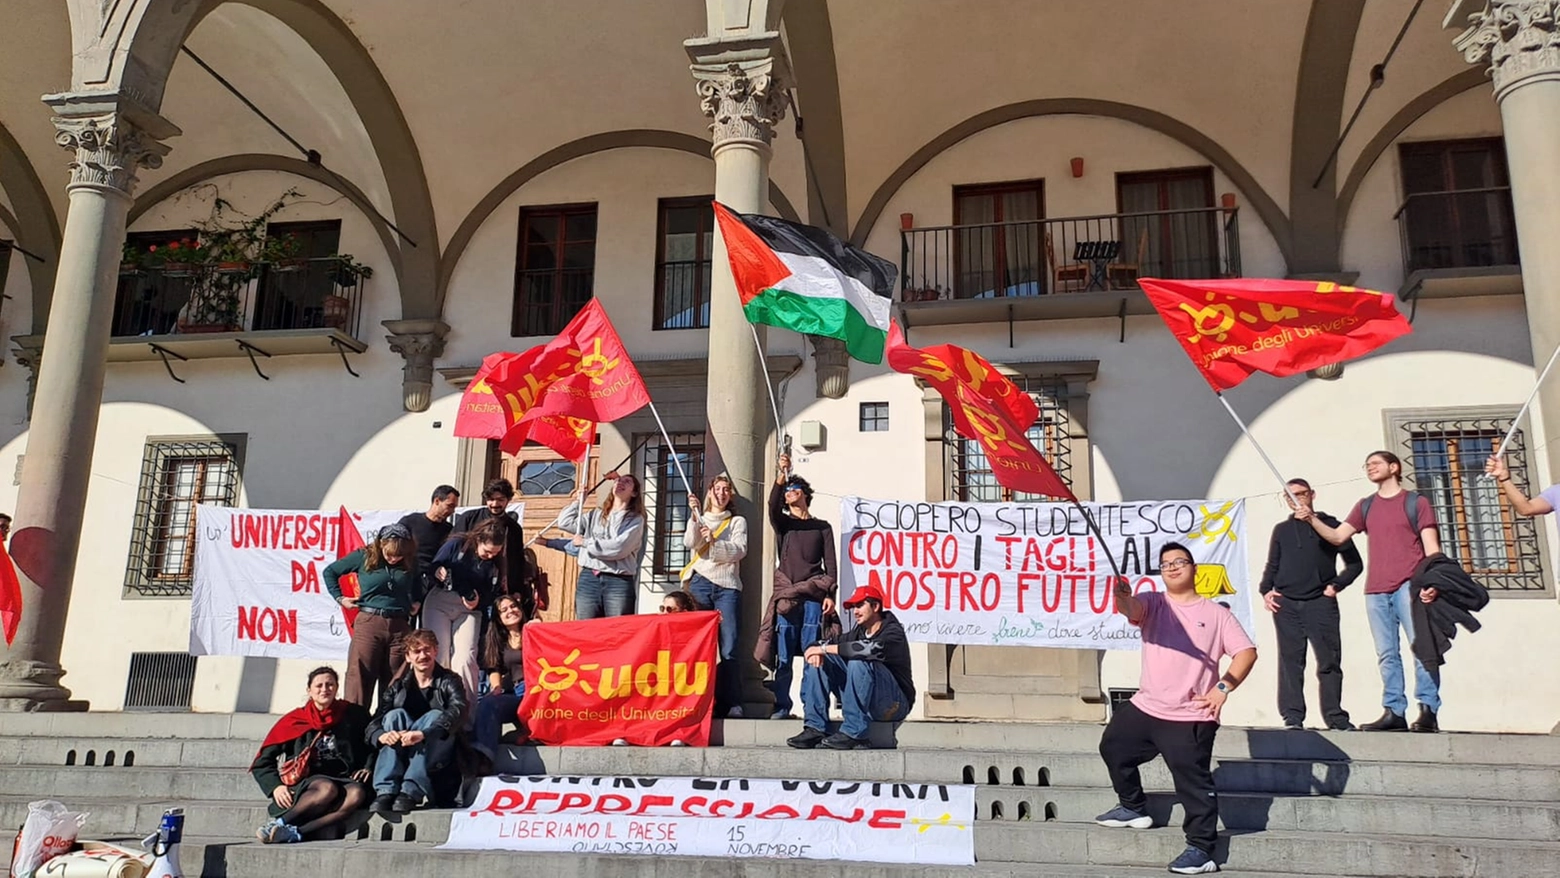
(763, 362)
(1501, 449)
(1254, 444)
(672, 448)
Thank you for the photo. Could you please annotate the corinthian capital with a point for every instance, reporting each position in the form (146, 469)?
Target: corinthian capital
(744, 100)
(112, 137)
(419, 342)
(1518, 39)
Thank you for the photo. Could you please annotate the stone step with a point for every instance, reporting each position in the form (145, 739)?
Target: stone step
(243, 858)
(120, 728)
(1371, 815)
(1267, 776)
(1320, 853)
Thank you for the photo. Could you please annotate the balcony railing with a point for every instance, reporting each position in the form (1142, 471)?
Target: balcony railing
(1458, 228)
(1068, 254)
(176, 298)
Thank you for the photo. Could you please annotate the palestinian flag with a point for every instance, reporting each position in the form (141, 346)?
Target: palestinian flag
(804, 279)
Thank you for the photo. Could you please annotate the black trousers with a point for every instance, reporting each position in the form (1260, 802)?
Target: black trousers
(1133, 738)
(1315, 622)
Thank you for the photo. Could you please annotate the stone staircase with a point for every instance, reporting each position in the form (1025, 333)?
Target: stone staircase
(1292, 803)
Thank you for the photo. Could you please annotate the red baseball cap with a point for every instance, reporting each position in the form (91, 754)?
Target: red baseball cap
(866, 593)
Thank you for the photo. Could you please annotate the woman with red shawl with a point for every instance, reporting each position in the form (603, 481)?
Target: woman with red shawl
(332, 790)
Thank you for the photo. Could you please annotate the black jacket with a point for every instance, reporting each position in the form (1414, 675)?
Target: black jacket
(1458, 598)
(1300, 564)
(888, 646)
(517, 574)
(448, 697)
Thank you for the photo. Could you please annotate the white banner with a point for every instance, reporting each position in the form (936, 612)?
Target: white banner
(696, 817)
(257, 586)
(1034, 574)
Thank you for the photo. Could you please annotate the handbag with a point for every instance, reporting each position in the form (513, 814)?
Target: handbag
(297, 768)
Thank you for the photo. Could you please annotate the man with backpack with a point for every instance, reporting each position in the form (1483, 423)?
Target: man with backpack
(1400, 530)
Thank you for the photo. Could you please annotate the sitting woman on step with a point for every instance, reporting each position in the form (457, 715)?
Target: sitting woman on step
(314, 766)
(503, 662)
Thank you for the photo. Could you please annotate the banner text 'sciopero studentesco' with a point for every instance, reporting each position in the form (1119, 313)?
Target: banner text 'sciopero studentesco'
(1034, 574)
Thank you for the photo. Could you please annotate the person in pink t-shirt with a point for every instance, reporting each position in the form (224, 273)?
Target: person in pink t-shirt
(1175, 713)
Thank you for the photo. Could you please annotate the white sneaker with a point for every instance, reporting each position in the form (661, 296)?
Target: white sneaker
(677, 743)
(620, 742)
(734, 713)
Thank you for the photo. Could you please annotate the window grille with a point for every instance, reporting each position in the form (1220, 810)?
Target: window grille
(970, 476)
(874, 417)
(666, 500)
(160, 681)
(177, 474)
(1477, 527)
(547, 478)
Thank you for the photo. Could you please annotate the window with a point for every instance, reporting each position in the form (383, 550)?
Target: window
(666, 500)
(1457, 205)
(874, 417)
(972, 480)
(292, 293)
(546, 478)
(1443, 454)
(1000, 255)
(1181, 239)
(555, 269)
(176, 474)
(682, 263)
(148, 300)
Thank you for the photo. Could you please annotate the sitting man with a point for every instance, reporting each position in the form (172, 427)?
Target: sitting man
(869, 664)
(414, 728)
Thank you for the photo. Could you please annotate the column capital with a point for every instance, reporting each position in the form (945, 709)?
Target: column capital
(112, 136)
(743, 86)
(831, 364)
(1518, 39)
(419, 342)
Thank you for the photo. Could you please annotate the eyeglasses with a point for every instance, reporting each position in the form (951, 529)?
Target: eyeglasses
(666, 609)
(1177, 564)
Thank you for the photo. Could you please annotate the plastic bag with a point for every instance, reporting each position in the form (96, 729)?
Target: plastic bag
(50, 830)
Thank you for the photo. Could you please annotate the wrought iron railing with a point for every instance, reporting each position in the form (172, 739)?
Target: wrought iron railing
(1067, 254)
(1458, 228)
(235, 297)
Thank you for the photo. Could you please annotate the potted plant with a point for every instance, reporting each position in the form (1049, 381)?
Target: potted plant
(178, 258)
(282, 252)
(347, 274)
(132, 259)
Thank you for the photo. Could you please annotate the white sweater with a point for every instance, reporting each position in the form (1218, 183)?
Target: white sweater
(718, 559)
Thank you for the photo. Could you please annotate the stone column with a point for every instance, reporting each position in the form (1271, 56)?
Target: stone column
(1520, 40)
(111, 137)
(741, 84)
(419, 342)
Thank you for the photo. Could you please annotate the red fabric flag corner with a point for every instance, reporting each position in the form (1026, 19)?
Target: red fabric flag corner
(1233, 328)
(986, 407)
(10, 596)
(348, 540)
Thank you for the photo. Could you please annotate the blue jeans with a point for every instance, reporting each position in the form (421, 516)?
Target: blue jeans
(1388, 612)
(493, 710)
(728, 601)
(601, 594)
(791, 641)
(400, 769)
(868, 694)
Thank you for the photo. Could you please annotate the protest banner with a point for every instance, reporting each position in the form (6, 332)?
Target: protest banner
(649, 680)
(1034, 574)
(740, 819)
(257, 589)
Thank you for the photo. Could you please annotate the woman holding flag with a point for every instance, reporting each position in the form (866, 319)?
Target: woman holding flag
(718, 540)
(609, 538)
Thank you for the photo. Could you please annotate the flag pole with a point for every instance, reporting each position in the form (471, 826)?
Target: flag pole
(1532, 396)
(672, 448)
(1254, 444)
(763, 362)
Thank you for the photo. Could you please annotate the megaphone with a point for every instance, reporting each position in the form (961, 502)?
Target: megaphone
(164, 845)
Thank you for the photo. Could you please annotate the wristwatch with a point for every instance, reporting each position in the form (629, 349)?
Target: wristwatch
(1222, 687)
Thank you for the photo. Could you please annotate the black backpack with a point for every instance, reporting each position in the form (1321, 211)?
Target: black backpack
(1410, 507)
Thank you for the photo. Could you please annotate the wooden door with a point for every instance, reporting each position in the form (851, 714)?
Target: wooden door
(546, 484)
